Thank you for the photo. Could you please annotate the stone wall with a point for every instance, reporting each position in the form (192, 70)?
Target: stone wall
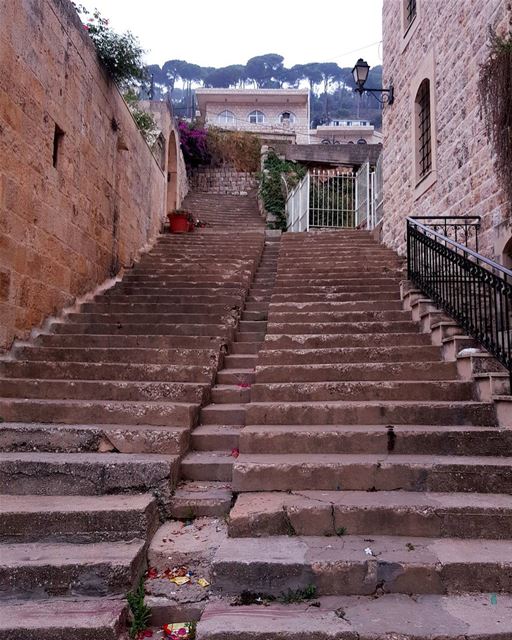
(454, 35)
(80, 191)
(223, 180)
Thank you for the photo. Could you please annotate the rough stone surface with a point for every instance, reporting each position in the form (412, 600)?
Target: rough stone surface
(458, 34)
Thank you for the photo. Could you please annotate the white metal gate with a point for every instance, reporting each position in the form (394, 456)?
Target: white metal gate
(333, 199)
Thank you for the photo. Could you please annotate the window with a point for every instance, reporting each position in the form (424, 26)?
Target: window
(361, 141)
(58, 136)
(226, 117)
(287, 118)
(424, 130)
(256, 117)
(410, 13)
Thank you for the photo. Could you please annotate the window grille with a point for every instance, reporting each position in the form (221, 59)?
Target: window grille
(424, 129)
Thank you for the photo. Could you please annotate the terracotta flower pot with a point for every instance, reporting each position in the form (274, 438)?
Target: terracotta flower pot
(178, 223)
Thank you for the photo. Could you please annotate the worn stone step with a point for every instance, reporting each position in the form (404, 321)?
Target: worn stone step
(42, 569)
(254, 315)
(184, 356)
(190, 297)
(229, 393)
(386, 294)
(181, 414)
(292, 355)
(335, 307)
(381, 513)
(78, 519)
(359, 472)
(108, 371)
(370, 327)
(173, 308)
(56, 618)
(86, 473)
(111, 390)
(245, 347)
(195, 319)
(374, 390)
(390, 616)
(241, 361)
(201, 499)
(372, 412)
(128, 342)
(235, 376)
(376, 371)
(84, 438)
(215, 437)
(378, 439)
(340, 565)
(346, 340)
(156, 329)
(334, 317)
(233, 414)
(253, 337)
(207, 465)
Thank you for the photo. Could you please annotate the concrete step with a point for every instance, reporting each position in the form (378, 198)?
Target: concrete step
(108, 371)
(373, 390)
(360, 371)
(229, 393)
(41, 569)
(215, 437)
(56, 618)
(252, 337)
(181, 414)
(382, 513)
(341, 566)
(93, 438)
(77, 519)
(201, 499)
(372, 412)
(254, 316)
(112, 390)
(229, 414)
(207, 466)
(86, 473)
(422, 617)
(235, 376)
(360, 472)
(346, 355)
(377, 439)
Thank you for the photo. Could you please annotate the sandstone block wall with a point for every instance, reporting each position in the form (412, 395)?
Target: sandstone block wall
(457, 33)
(224, 180)
(80, 191)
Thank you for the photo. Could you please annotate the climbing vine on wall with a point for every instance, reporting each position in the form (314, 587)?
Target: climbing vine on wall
(272, 189)
(495, 88)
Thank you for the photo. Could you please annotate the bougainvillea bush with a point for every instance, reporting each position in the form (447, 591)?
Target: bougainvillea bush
(193, 139)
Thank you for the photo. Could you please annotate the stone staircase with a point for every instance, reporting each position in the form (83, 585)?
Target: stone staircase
(369, 475)
(207, 470)
(96, 416)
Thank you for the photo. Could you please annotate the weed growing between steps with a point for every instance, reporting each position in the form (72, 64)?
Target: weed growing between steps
(292, 596)
(140, 612)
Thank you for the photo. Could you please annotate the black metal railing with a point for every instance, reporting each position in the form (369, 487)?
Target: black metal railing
(474, 290)
(462, 229)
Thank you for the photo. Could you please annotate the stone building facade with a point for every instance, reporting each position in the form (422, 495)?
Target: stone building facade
(81, 193)
(271, 113)
(346, 132)
(432, 54)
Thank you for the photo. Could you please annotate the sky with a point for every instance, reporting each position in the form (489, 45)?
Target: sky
(217, 34)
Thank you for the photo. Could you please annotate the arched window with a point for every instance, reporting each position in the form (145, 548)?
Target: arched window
(226, 117)
(256, 117)
(287, 118)
(423, 132)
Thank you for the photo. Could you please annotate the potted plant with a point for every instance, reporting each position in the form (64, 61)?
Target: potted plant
(180, 221)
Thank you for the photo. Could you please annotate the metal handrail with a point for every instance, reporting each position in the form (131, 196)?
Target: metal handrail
(474, 290)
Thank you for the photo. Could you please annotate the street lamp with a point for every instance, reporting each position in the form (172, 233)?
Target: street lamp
(360, 73)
